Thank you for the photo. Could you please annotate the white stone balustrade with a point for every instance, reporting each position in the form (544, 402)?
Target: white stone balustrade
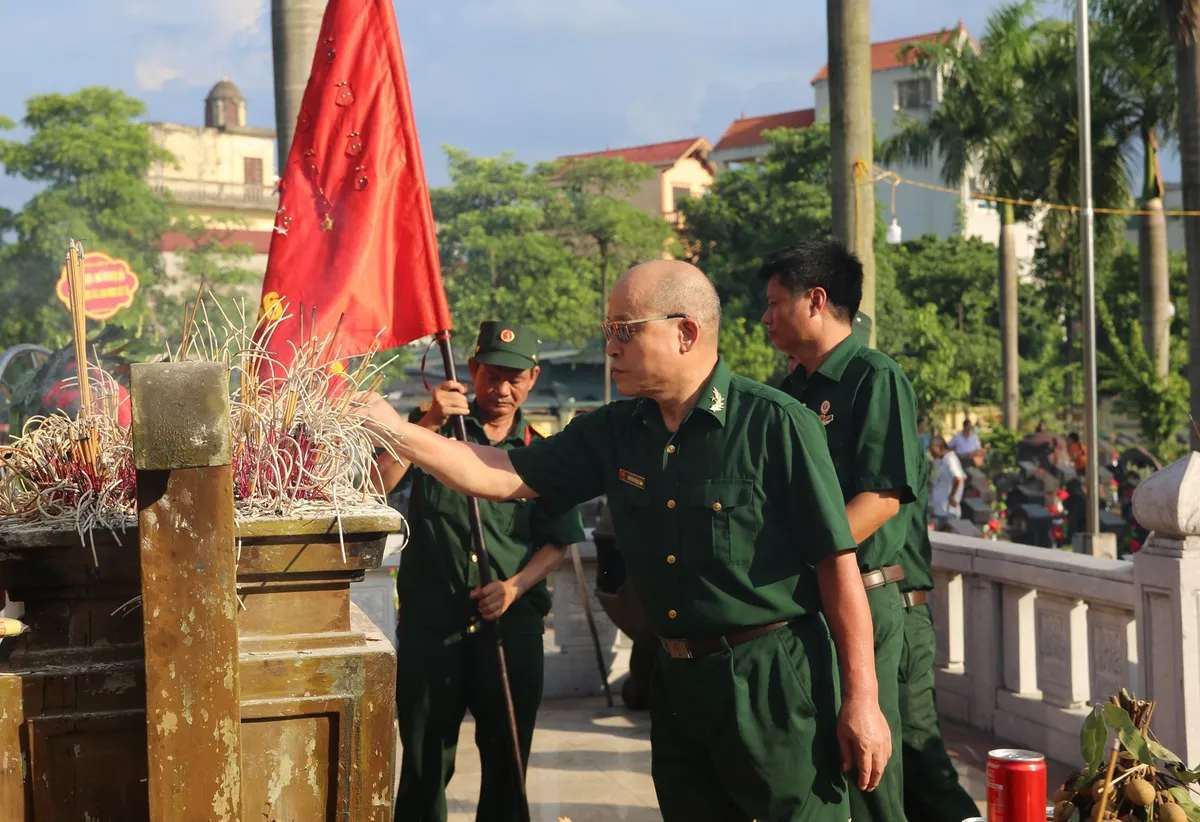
(1028, 638)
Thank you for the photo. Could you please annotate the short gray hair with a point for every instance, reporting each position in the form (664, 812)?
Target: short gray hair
(688, 294)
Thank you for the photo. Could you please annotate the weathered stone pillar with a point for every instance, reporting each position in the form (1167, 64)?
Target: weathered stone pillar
(1167, 575)
(181, 449)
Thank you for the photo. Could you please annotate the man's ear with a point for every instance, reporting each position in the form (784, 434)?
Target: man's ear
(472, 367)
(533, 375)
(689, 334)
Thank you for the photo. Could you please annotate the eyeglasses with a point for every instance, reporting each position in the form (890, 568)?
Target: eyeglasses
(623, 328)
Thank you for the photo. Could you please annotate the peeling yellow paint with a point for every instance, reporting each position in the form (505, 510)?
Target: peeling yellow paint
(310, 765)
(281, 777)
(192, 615)
(187, 640)
(169, 724)
(183, 626)
(171, 669)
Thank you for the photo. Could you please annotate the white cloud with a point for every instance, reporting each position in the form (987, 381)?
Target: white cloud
(152, 75)
(199, 41)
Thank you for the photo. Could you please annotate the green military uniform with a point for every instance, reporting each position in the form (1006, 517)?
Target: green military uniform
(931, 789)
(868, 408)
(720, 524)
(446, 664)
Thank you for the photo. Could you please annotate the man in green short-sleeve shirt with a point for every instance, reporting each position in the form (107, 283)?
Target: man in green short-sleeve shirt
(445, 664)
(731, 525)
(868, 409)
(931, 787)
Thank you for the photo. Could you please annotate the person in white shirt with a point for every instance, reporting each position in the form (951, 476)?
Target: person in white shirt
(966, 442)
(948, 482)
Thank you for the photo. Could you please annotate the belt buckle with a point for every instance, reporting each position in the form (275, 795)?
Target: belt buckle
(677, 648)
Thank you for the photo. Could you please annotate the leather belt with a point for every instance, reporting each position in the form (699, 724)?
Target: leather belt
(913, 599)
(703, 646)
(882, 576)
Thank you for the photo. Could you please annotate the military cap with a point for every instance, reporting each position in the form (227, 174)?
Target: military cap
(507, 345)
(862, 328)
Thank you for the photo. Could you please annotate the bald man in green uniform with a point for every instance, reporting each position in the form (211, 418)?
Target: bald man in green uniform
(728, 516)
(868, 409)
(445, 665)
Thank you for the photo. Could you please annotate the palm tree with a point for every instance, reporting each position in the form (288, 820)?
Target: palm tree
(1132, 48)
(852, 139)
(1051, 155)
(1183, 26)
(978, 129)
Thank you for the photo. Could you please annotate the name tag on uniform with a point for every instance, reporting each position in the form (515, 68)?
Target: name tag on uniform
(632, 479)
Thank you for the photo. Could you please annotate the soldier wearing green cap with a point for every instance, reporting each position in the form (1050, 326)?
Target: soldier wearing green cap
(445, 664)
(868, 409)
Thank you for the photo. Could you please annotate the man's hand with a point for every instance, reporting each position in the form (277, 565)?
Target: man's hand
(865, 739)
(449, 400)
(496, 598)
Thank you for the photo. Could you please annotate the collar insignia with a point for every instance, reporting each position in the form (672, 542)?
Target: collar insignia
(718, 402)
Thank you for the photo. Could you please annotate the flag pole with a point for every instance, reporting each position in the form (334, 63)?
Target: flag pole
(485, 578)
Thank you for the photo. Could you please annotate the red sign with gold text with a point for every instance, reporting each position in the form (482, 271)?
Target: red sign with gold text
(108, 286)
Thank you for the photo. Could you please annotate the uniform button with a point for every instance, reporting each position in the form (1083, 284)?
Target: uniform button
(671, 614)
(472, 628)
(670, 449)
(716, 506)
(670, 559)
(474, 558)
(670, 503)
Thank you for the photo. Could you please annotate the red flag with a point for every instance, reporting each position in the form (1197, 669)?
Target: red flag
(354, 233)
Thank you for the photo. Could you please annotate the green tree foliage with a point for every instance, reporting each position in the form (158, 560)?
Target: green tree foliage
(499, 258)
(1161, 405)
(934, 365)
(91, 159)
(529, 243)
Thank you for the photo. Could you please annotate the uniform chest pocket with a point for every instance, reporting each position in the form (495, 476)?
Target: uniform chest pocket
(723, 520)
(499, 517)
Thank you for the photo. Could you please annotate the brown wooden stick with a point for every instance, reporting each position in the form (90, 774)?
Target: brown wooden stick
(1112, 764)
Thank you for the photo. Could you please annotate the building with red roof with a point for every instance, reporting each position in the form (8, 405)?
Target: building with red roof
(683, 169)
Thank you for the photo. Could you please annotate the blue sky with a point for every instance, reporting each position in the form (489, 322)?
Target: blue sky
(539, 78)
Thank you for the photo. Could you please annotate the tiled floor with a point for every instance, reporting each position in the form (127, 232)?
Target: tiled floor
(592, 764)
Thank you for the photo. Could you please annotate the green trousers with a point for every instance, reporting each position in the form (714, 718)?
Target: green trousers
(886, 802)
(750, 732)
(437, 680)
(931, 789)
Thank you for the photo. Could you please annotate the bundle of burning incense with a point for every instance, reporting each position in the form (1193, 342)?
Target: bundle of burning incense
(301, 446)
(50, 480)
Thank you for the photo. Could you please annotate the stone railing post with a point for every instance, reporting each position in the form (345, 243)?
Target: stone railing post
(1167, 576)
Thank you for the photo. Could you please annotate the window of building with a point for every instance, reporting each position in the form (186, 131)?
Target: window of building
(915, 94)
(679, 194)
(253, 168)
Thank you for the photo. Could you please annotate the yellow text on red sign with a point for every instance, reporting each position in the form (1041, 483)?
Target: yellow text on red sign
(108, 286)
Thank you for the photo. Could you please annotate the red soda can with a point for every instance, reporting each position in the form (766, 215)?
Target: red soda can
(1016, 786)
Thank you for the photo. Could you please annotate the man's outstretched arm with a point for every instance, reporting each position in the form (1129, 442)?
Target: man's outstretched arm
(475, 470)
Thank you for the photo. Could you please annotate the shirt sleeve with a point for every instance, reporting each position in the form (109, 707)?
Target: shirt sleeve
(568, 468)
(955, 465)
(887, 452)
(549, 530)
(813, 496)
